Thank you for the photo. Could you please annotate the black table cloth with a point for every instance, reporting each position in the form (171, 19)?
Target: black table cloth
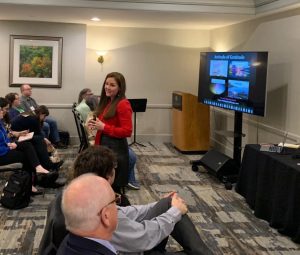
(270, 183)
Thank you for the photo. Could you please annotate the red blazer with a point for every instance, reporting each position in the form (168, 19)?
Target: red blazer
(119, 126)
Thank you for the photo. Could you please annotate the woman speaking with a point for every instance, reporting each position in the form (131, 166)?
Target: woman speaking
(113, 122)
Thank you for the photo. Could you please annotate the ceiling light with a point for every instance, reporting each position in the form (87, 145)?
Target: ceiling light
(95, 19)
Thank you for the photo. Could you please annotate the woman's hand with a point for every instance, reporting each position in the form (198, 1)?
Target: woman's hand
(96, 124)
(20, 133)
(12, 146)
(47, 141)
(24, 132)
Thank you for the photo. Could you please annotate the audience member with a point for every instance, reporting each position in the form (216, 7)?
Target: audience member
(82, 107)
(132, 182)
(33, 123)
(95, 159)
(92, 103)
(89, 207)
(14, 105)
(24, 152)
(141, 228)
(114, 124)
(50, 125)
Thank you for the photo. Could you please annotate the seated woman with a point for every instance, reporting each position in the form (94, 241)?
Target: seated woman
(24, 152)
(14, 105)
(33, 123)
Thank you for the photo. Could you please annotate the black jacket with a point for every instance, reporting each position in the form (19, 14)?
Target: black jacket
(77, 245)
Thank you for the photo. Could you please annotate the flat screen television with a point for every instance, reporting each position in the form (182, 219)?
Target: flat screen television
(234, 81)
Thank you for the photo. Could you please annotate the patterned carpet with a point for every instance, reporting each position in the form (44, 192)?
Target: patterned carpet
(222, 218)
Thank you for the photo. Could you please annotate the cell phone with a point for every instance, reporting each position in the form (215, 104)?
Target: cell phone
(94, 117)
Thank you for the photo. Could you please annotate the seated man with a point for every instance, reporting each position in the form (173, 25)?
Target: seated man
(140, 228)
(50, 125)
(89, 207)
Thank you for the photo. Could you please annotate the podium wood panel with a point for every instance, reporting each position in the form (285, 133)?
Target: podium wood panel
(191, 125)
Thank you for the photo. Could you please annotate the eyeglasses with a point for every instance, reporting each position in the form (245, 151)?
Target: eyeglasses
(117, 200)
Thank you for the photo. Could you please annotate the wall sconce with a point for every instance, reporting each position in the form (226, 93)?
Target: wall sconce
(101, 55)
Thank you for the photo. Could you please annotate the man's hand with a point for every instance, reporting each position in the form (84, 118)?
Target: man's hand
(170, 194)
(179, 204)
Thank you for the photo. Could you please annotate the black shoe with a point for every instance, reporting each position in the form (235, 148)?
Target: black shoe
(57, 165)
(44, 180)
(36, 193)
(56, 185)
(60, 145)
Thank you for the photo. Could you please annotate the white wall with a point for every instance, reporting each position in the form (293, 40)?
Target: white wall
(155, 62)
(280, 36)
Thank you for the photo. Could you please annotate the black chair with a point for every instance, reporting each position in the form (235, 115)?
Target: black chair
(83, 137)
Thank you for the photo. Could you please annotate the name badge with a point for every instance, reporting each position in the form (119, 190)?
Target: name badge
(32, 108)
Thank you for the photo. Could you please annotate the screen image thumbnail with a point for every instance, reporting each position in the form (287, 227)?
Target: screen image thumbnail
(239, 69)
(238, 89)
(218, 68)
(217, 86)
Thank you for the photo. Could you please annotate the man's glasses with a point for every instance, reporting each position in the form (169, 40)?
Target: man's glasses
(117, 200)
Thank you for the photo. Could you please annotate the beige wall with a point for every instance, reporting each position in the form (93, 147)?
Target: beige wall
(155, 62)
(73, 65)
(280, 36)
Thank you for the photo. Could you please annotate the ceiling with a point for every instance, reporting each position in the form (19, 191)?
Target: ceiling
(174, 14)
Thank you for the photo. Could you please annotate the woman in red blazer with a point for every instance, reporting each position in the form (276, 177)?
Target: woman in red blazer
(114, 124)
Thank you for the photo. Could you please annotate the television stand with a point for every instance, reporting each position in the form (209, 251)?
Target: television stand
(237, 149)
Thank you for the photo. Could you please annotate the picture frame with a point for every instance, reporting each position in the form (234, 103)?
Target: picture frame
(35, 60)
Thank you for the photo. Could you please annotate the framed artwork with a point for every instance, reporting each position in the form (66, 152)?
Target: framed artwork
(35, 60)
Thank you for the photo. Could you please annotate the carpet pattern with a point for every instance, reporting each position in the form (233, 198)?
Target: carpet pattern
(223, 219)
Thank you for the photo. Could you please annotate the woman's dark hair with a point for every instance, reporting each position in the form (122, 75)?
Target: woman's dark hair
(92, 102)
(104, 100)
(4, 103)
(10, 97)
(42, 109)
(95, 159)
(82, 93)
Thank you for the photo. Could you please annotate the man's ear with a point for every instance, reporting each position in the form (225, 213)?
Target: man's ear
(105, 217)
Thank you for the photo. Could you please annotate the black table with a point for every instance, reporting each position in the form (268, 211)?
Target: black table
(270, 183)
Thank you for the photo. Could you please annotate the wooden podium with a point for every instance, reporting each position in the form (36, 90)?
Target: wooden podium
(191, 123)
